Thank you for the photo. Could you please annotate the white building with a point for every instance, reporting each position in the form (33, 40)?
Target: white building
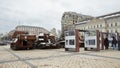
(70, 18)
(105, 23)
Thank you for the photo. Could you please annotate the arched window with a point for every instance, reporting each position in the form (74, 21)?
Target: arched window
(111, 24)
(111, 31)
(115, 24)
(97, 26)
(115, 31)
(100, 25)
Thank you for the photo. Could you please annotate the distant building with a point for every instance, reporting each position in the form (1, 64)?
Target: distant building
(1, 35)
(53, 32)
(30, 29)
(106, 23)
(70, 18)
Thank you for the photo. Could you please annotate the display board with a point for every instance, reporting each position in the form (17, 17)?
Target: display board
(70, 39)
(90, 39)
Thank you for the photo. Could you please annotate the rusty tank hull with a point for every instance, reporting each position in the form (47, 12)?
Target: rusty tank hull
(21, 40)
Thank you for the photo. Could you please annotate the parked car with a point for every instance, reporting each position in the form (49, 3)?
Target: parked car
(2, 43)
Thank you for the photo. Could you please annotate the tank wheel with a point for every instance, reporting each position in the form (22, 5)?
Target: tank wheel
(14, 48)
(28, 48)
(85, 49)
(66, 49)
(31, 47)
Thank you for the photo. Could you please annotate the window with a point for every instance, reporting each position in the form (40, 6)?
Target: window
(111, 24)
(66, 34)
(111, 31)
(108, 31)
(115, 24)
(91, 27)
(107, 25)
(100, 25)
(24, 42)
(70, 33)
(66, 42)
(90, 42)
(97, 26)
(76, 21)
(73, 21)
(71, 42)
(115, 31)
(83, 28)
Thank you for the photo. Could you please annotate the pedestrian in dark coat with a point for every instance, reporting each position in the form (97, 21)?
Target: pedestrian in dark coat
(114, 42)
(119, 43)
(106, 43)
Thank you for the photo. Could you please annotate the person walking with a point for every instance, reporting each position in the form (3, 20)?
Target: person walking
(106, 43)
(114, 42)
(119, 43)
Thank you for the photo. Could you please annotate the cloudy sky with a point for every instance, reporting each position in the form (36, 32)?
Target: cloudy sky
(48, 13)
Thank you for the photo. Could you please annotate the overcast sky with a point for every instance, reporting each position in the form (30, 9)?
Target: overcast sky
(48, 13)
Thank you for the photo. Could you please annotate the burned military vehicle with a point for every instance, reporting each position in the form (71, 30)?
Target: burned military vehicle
(22, 40)
(45, 41)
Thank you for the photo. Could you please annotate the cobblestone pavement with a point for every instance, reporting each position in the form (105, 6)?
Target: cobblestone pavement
(58, 58)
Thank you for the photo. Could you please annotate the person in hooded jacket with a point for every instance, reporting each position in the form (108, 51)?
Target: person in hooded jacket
(119, 43)
(114, 42)
(106, 43)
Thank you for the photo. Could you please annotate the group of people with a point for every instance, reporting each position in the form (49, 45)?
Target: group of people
(114, 43)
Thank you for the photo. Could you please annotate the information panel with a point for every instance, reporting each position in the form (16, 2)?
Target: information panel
(70, 39)
(90, 39)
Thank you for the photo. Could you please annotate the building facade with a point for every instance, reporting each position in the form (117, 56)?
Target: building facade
(70, 18)
(106, 23)
(31, 29)
(53, 32)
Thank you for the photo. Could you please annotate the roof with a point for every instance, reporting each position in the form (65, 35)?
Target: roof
(110, 15)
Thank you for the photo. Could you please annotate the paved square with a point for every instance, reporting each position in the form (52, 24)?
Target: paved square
(58, 58)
